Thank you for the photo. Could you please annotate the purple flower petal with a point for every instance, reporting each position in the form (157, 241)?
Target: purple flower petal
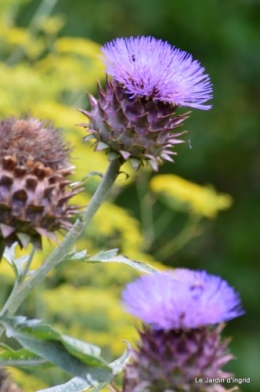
(154, 69)
(181, 299)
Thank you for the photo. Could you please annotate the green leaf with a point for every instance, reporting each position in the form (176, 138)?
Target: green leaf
(76, 384)
(99, 387)
(104, 255)
(91, 174)
(76, 256)
(81, 349)
(110, 257)
(22, 357)
(119, 364)
(61, 351)
(16, 264)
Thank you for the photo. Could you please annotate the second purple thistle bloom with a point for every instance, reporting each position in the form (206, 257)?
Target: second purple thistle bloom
(180, 341)
(181, 299)
(134, 118)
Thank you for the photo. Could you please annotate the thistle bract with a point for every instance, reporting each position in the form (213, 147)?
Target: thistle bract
(34, 194)
(134, 117)
(171, 361)
(181, 340)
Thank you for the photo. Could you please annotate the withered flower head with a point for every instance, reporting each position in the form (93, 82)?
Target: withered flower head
(34, 194)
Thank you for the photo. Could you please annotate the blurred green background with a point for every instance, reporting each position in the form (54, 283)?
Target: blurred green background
(222, 146)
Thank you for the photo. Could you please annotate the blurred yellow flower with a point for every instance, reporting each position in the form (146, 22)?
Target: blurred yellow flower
(180, 194)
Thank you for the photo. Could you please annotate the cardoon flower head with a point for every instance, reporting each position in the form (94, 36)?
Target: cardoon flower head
(184, 299)
(154, 69)
(134, 117)
(34, 194)
(181, 341)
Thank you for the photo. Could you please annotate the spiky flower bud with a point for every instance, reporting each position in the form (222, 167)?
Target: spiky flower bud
(34, 194)
(134, 118)
(180, 347)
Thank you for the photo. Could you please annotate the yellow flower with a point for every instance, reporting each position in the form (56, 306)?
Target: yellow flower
(180, 194)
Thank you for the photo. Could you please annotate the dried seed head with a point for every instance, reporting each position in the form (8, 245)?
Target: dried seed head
(34, 165)
(30, 141)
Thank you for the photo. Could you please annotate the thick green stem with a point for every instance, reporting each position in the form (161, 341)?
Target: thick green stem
(22, 290)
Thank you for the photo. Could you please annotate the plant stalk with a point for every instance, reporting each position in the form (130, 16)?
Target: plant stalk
(23, 289)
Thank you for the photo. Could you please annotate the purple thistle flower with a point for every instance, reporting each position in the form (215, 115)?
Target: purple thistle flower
(182, 299)
(156, 70)
(134, 116)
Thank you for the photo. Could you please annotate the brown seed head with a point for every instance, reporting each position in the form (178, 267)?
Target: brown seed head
(34, 165)
(30, 140)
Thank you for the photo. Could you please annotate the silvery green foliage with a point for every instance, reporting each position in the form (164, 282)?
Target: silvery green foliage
(76, 384)
(72, 355)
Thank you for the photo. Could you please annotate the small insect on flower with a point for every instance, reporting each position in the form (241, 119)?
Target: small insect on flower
(134, 118)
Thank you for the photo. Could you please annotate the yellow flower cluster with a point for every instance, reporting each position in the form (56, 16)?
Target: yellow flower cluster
(180, 194)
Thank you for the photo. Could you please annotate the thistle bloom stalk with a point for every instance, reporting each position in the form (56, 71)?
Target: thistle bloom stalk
(134, 118)
(183, 314)
(34, 193)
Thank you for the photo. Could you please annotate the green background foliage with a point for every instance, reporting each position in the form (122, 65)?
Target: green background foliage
(48, 59)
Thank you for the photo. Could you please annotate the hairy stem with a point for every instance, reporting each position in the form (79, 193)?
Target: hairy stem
(23, 289)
